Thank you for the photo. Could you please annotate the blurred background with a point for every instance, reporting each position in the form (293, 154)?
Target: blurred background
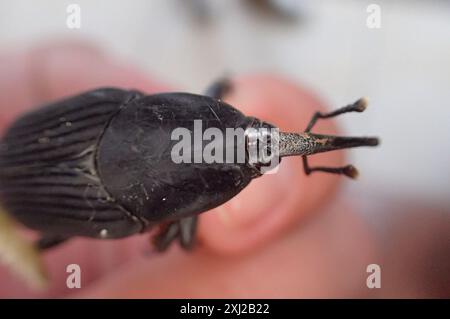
(402, 66)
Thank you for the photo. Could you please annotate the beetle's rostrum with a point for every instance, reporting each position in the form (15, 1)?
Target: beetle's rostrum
(99, 164)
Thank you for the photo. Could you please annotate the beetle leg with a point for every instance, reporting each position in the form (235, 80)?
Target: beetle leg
(183, 230)
(188, 228)
(358, 106)
(49, 241)
(166, 236)
(348, 170)
(219, 88)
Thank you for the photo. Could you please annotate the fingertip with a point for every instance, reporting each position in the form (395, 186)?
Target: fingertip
(72, 67)
(57, 69)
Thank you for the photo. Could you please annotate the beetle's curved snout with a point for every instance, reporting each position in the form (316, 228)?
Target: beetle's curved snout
(302, 144)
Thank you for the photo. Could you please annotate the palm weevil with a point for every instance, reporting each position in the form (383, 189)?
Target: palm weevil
(100, 164)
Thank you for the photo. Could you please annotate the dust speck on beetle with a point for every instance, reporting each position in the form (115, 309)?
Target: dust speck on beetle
(104, 233)
(44, 140)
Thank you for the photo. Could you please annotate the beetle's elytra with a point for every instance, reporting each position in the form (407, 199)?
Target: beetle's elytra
(99, 164)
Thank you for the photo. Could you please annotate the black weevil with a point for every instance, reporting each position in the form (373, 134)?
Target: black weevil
(99, 164)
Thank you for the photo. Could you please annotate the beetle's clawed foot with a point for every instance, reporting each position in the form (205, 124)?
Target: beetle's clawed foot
(350, 171)
(360, 105)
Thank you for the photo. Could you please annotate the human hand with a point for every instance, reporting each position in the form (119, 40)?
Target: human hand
(277, 238)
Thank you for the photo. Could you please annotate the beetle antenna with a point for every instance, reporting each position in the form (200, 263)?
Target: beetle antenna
(307, 143)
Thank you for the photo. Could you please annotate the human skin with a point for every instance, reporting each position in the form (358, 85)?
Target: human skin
(285, 235)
